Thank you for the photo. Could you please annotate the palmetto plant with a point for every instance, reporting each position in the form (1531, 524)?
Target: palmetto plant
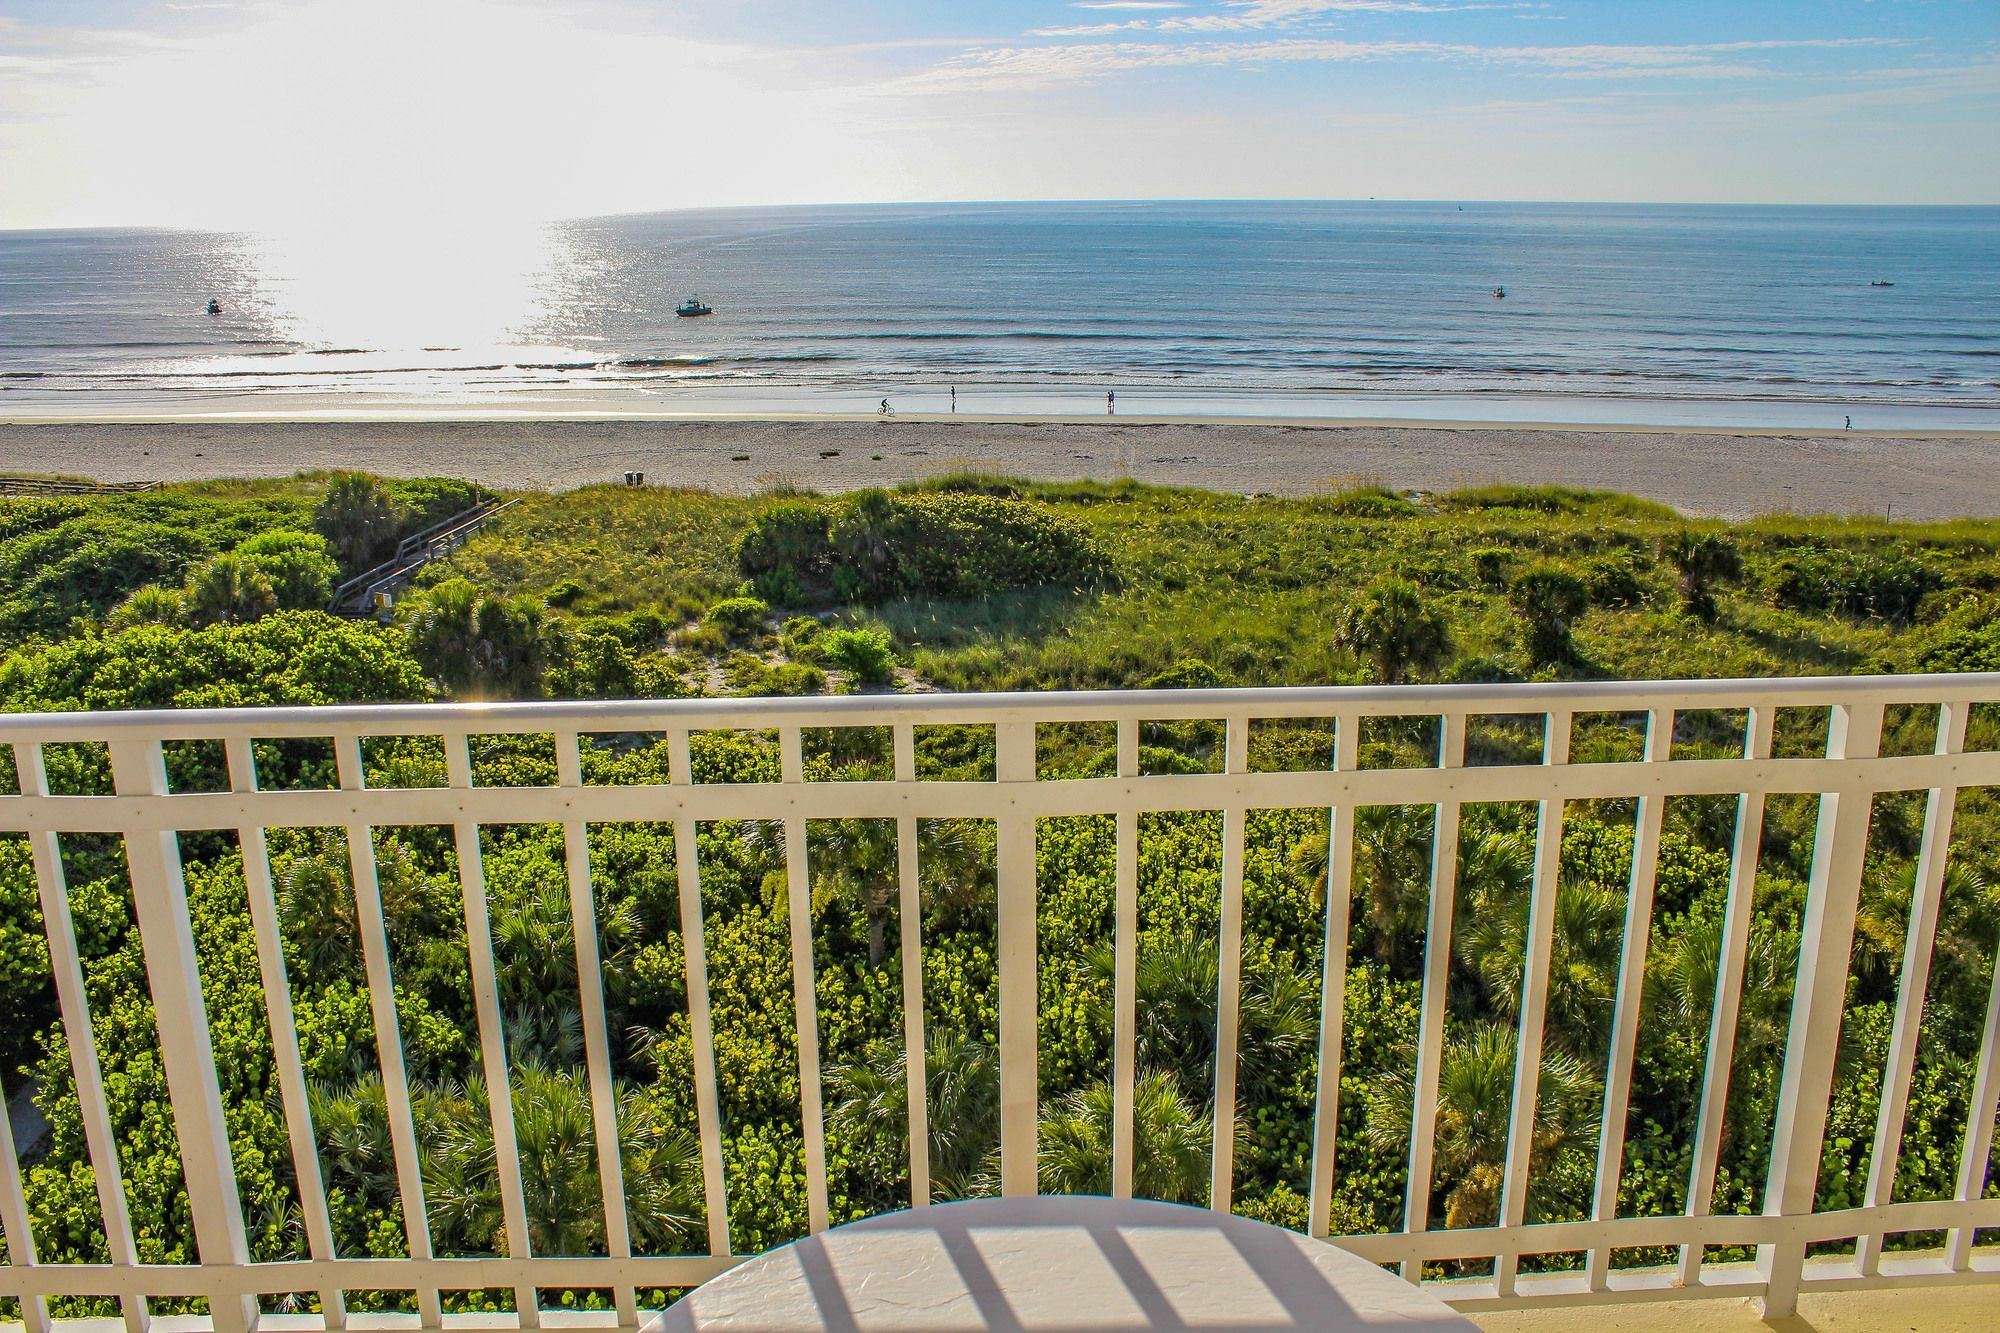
(1703, 559)
(1583, 960)
(1475, 1101)
(229, 590)
(1680, 983)
(1392, 626)
(962, 1082)
(1968, 926)
(555, 1133)
(1171, 1141)
(1392, 864)
(1178, 979)
(855, 864)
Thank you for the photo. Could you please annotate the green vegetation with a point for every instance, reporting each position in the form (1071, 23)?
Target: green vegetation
(208, 595)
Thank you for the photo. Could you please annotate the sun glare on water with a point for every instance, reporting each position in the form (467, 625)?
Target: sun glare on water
(403, 286)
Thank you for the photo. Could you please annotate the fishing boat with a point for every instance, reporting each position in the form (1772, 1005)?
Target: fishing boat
(1499, 293)
(214, 306)
(1881, 282)
(693, 306)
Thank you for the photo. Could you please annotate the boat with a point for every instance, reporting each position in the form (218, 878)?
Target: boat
(1499, 293)
(214, 306)
(693, 306)
(1881, 282)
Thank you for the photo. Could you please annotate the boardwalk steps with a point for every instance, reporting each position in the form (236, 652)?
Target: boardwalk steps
(358, 596)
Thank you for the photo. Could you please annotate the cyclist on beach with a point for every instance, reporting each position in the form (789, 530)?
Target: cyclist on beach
(885, 410)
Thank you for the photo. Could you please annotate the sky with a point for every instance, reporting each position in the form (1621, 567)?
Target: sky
(344, 113)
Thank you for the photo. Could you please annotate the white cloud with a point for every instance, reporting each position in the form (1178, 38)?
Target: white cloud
(1022, 67)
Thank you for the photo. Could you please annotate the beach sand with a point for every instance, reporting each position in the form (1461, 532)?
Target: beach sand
(1726, 474)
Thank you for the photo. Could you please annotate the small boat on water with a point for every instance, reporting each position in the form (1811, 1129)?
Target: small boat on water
(693, 306)
(1499, 293)
(1881, 282)
(214, 306)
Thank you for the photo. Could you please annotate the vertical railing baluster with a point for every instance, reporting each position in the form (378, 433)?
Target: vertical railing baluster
(1733, 952)
(492, 1030)
(72, 999)
(1826, 942)
(284, 1028)
(1125, 968)
(596, 1028)
(388, 1029)
(805, 1005)
(1333, 982)
(910, 929)
(1978, 1153)
(1926, 897)
(14, 1220)
(1534, 1000)
(1437, 986)
(701, 1025)
(166, 931)
(1020, 1082)
(1631, 985)
(1229, 974)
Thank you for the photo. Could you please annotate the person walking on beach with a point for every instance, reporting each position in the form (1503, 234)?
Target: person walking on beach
(1850, 423)
(954, 398)
(1111, 403)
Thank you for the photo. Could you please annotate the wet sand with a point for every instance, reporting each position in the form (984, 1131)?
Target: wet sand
(1723, 473)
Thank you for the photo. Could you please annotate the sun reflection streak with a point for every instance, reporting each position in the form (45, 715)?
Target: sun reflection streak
(398, 285)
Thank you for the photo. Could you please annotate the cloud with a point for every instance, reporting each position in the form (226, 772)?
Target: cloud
(1253, 14)
(1026, 67)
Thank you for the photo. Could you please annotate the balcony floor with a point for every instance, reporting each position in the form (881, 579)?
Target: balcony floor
(1960, 1309)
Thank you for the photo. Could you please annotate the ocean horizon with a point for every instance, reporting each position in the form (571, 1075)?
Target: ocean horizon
(1696, 315)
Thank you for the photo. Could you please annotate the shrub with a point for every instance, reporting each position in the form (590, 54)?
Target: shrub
(1553, 500)
(565, 592)
(424, 501)
(737, 617)
(779, 587)
(1972, 647)
(1852, 583)
(150, 605)
(863, 653)
(947, 543)
(953, 545)
(1189, 673)
(798, 638)
(1392, 626)
(300, 566)
(1616, 578)
(1370, 502)
(1703, 560)
(472, 643)
(790, 536)
(1490, 565)
(361, 520)
(747, 674)
(229, 590)
(1548, 596)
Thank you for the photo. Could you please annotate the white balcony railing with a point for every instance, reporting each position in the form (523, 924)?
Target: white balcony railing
(1846, 779)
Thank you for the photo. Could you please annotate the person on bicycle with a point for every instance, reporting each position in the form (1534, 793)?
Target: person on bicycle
(884, 409)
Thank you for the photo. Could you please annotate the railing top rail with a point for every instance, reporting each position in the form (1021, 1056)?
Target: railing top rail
(593, 716)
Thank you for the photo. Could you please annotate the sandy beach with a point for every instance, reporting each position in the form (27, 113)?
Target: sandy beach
(1726, 474)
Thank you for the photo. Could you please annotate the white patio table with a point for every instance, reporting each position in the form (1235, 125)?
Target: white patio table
(1055, 1264)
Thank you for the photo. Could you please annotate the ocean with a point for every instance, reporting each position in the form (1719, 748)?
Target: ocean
(1613, 313)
